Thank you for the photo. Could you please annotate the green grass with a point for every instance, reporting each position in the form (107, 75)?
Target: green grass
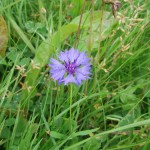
(110, 111)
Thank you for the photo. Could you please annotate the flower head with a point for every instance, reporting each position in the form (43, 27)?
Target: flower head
(73, 66)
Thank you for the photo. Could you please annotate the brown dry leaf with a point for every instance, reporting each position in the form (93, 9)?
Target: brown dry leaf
(3, 36)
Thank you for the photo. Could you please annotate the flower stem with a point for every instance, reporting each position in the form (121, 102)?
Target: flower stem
(70, 107)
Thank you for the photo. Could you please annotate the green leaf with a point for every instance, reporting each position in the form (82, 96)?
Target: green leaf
(12, 55)
(22, 123)
(31, 128)
(30, 26)
(57, 135)
(10, 122)
(2, 142)
(77, 6)
(21, 34)
(3, 36)
(107, 23)
(24, 61)
(130, 117)
(127, 95)
(93, 144)
(5, 133)
(85, 132)
(2, 61)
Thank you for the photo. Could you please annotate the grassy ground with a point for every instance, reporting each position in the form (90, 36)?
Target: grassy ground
(110, 111)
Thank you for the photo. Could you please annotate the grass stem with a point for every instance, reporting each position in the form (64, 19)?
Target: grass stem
(70, 108)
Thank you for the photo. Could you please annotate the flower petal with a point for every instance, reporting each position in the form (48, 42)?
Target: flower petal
(82, 59)
(82, 73)
(58, 75)
(85, 70)
(70, 78)
(73, 54)
(56, 64)
(80, 77)
(63, 56)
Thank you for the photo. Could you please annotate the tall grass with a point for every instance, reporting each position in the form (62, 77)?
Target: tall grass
(109, 111)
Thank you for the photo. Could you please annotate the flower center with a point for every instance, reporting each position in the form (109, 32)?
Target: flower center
(70, 67)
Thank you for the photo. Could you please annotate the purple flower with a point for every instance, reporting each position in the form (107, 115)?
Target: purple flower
(74, 66)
